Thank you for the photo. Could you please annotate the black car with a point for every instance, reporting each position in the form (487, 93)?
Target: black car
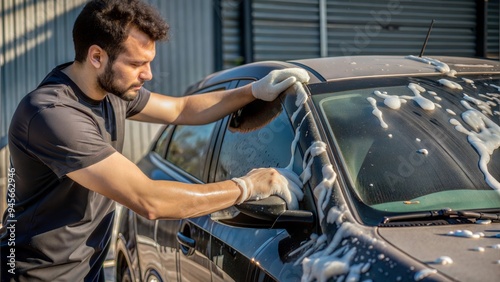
(400, 162)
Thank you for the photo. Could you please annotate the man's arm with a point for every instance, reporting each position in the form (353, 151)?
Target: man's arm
(209, 107)
(119, 179)
(194, 109)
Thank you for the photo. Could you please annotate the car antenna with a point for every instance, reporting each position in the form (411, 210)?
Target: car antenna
(426, 39)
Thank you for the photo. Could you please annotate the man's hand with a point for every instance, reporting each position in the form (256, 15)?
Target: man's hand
(264, 182)
(277, 81)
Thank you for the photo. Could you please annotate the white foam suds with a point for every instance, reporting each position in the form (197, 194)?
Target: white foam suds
(423, 151)
(451, 112)
(468, 81)
(424, 273)
(484, 137)
(391, 101)
(323, 267)
(493, 97)
(450, 84)
(424, 103)
(443, 260)
(478, 249)
(394, 101)
(314, 150)
(496, 247)
(356, 271)
(331, 261)
(495, 86)
(458, 126)
(417, 139)
(439, 66)
(474, 66)
(452, 73)
(485, 107)
(300, 100)
(314, 244)
(323, 190)
(376, 112)
(466, 234)
(483, 221)
(295, 141)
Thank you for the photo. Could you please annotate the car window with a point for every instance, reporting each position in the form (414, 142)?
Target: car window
(419, 145)
(161, 143)
(189, 147)
(259, 135)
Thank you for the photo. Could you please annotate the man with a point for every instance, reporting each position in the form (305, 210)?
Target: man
(65, 141)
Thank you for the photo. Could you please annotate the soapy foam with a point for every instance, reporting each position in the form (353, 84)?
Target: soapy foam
(443, 260)
(466, 234)
(376, 112)
(478, 249)
(450, 84)
(424, 273)
(439, 66)
(424, 103)
(484, 137)
(391, 101)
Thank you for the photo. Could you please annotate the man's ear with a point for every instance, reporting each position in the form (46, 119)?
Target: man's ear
(96, 56)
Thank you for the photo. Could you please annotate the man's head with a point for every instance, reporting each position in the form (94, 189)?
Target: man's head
(107, 23)
(118, 30)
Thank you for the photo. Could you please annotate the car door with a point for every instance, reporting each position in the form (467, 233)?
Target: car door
(183, 245)
(188, 151)
(167, 247)
(155, 252)
(259, 135)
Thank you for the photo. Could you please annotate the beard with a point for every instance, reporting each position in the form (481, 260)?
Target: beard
(107, 83)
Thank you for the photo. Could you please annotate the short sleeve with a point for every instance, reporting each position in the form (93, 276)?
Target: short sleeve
(137, 105)
(67, 139)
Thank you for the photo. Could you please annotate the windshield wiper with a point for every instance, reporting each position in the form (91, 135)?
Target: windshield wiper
(446, 213)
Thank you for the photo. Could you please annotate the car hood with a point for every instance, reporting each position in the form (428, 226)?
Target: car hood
(473, 259)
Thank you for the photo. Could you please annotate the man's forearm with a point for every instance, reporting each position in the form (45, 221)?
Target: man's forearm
(191, 200)
(209, 107)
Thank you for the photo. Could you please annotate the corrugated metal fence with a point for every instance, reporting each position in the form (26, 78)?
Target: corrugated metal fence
(35, 36)
(294, 29)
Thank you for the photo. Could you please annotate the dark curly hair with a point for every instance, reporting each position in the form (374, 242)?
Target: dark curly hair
(106, 23)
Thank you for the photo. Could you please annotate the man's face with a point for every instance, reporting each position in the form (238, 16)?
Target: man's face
(125, 75)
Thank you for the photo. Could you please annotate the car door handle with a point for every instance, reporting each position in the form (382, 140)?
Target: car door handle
(187, 244)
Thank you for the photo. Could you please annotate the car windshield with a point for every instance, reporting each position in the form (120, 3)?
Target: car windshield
(415, 144)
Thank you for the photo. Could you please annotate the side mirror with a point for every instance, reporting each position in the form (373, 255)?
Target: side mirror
(271, 213)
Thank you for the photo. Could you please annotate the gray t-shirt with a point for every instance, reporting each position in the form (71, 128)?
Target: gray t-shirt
(62, 230)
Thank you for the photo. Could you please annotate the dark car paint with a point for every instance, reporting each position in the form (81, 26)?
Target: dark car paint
(227, 254)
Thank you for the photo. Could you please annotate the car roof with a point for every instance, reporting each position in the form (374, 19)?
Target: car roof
(349, 67)
(339, 68)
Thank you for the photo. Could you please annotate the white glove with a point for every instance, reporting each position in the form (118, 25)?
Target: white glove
(277, 81)
(262, 183)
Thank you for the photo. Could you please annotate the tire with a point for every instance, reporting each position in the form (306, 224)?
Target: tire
(124, 274)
